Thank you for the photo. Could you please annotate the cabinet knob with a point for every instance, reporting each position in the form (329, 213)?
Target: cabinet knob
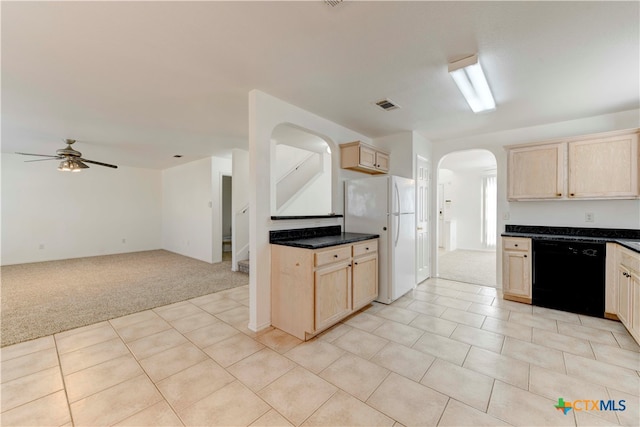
(558, 194)
(297, 264)
(572, 194)
(366, 249)
(516, 245)
(335, 256)
(355, 263)
(525, 256)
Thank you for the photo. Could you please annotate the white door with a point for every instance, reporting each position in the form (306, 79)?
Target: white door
(440, 215)
(423, 270)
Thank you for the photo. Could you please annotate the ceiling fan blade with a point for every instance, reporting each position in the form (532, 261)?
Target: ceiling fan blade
(41, 155)
(98, 163)
(42, 160)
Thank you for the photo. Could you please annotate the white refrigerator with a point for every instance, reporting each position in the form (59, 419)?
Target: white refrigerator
(385, 205)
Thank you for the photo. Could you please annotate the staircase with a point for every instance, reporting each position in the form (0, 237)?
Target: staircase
(243, 266)
(293, 182)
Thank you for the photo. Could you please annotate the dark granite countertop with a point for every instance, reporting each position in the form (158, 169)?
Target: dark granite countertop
(627, 238)
(288, 217)
(326, 241)
(634, 245)
(316, 237)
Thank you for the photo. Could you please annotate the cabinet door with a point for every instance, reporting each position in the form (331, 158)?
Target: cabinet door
(634, 304)
(365, 280)
(516, 273)
(332, 294)
(624, 296)
(536, 172)
(367, 157)
(382, 161)
(606, 167)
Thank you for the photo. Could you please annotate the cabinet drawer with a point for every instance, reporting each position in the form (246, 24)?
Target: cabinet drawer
(330, 255)
(516, 244)
(631, 261)
(365, 248)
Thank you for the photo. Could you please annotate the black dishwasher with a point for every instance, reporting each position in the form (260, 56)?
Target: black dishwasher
(569, 276)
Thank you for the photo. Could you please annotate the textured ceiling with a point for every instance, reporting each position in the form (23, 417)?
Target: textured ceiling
(137, 82)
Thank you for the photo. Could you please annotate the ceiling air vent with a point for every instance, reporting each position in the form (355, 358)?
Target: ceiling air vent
(386, 105)
(333, 3)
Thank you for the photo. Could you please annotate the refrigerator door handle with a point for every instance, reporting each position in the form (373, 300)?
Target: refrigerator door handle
(395, 245)
(398, 196)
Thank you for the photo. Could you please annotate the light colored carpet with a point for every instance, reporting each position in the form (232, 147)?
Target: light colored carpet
(478, 267)
(44, 298)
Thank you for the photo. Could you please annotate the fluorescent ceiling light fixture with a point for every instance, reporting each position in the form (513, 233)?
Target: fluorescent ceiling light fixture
(471, 81)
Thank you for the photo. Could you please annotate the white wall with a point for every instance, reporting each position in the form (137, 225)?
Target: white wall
(265, 113)
(287, 158)
(187, 217)
(400, 147)
(192, 208)
(77, 214)
(315, 198)
(404, 148)
(608, 214)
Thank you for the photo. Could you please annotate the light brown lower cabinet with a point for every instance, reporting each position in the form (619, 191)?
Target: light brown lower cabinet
(516, 269)
(332, 294)
(628, 290)
(312, 290)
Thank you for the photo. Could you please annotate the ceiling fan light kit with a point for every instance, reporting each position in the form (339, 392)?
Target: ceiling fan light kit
(71, 165)
(473, 84)
(72, 160)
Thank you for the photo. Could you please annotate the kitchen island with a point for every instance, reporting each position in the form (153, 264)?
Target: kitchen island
(320, 276)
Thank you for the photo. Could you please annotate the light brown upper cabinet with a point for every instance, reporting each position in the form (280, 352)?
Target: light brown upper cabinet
(604, 167)
(363, 158)
(601, 166)
(536, 172)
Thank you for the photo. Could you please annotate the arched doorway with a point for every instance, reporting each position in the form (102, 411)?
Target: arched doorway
(467, 221)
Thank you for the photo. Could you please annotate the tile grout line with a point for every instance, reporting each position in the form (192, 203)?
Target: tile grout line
(173, 409)
(64, 383)
(148, 377)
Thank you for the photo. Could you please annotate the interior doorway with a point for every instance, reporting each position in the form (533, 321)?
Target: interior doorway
(467, 217)
(226, 218)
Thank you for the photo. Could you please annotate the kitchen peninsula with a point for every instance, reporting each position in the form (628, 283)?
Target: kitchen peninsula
(320, 276)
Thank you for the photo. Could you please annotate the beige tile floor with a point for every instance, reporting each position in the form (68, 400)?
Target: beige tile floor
(447, 354)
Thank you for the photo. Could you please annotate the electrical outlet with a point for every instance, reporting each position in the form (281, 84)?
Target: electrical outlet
(124, 240)
(506, 216)
(41, 246)
(589, 217)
